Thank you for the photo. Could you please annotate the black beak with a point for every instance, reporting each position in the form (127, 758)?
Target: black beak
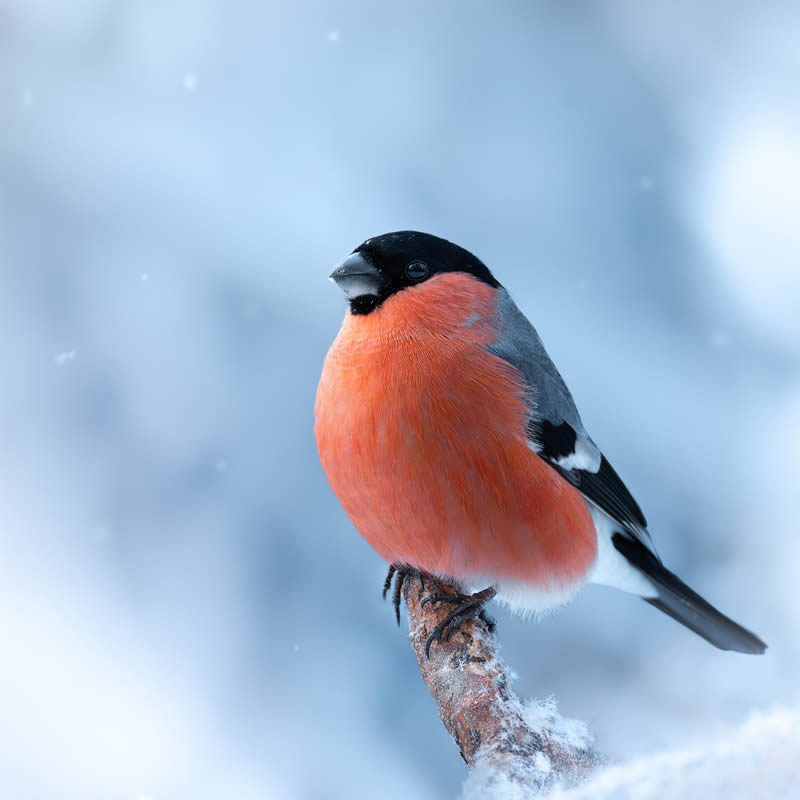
(355, 276)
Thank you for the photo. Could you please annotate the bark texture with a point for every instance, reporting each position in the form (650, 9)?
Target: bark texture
(525, 744)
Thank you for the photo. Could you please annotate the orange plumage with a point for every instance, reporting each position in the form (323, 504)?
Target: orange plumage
(421, 432)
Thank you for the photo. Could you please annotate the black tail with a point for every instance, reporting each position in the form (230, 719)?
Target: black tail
(681, 603)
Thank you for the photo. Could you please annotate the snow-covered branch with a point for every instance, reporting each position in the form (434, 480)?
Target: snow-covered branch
(526, 746)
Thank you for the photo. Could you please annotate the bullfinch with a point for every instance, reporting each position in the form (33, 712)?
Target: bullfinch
(456, 449)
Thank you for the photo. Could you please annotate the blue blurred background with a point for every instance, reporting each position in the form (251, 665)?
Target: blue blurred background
(185, 611)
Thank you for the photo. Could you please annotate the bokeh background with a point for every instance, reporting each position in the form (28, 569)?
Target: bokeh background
(185, 611)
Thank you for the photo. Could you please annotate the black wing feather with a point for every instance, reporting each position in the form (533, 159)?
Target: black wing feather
(684, 604)
(606, 490)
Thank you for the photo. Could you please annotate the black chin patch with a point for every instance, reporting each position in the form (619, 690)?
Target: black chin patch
(364, 303)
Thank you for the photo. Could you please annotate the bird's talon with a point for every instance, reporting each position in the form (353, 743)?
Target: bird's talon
(398, 592)
(399, 573)
(470, 607)
(487, 620)
(445, 598)
(436, 636)
(388, 582)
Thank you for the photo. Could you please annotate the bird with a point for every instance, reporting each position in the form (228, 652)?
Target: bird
(456, 449)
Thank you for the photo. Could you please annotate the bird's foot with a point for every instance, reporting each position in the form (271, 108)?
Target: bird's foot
(400, 573)
(468, 606)
(483, 615)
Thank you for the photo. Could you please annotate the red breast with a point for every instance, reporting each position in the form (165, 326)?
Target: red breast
(421, 432)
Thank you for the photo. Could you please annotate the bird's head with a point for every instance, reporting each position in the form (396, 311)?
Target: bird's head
(384, 265)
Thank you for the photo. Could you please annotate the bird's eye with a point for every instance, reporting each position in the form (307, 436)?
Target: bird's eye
(417, 270)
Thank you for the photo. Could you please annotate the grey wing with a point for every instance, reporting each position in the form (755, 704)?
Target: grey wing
(555, 430)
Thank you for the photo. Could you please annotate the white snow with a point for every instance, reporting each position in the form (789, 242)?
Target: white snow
(760, 759)
(544, 716)
(63, 358)
(487, 781)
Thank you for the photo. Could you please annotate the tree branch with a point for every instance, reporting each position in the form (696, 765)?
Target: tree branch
(524, 744)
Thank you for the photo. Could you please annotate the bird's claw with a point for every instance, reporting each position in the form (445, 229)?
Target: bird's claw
(400, 572)
(469, 607)
(445, 598)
